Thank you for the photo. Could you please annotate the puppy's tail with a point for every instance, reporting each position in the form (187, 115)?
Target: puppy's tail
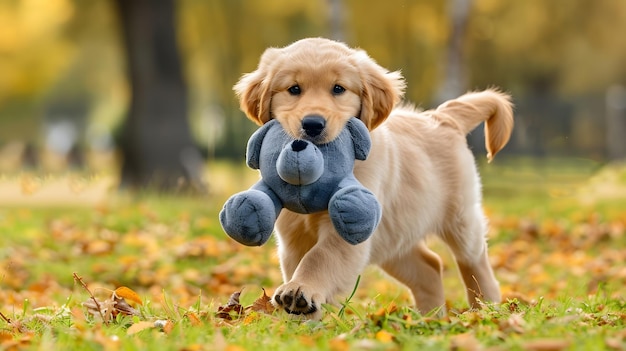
(491, 106)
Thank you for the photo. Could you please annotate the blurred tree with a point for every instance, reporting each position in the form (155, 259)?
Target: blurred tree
(336, 19)
(454, 79)
(156, 143)
(33, 53)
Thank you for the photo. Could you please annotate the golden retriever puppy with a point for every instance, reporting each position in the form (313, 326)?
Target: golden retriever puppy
(420, 169)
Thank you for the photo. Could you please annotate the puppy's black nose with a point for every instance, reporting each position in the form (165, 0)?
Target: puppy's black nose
(313, 125)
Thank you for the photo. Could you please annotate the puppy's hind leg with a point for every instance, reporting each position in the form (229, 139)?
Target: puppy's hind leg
(467, 241)
(420, 270)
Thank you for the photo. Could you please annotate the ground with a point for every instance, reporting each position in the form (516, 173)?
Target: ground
(172, 279)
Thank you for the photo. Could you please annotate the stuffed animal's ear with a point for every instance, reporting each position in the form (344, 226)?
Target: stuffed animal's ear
(360, 137)
(253, 90)
(253, 150)
(382, 90)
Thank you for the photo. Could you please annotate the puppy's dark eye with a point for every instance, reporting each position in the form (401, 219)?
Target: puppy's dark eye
(294, 90)
(338, 89)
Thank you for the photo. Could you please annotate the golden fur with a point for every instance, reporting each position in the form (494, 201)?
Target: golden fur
(419, 167)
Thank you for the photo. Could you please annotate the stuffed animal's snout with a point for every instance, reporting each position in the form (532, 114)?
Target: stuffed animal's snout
(300, 163)
(313, 125)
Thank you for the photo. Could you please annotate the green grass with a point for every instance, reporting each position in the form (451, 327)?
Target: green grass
(557, 245)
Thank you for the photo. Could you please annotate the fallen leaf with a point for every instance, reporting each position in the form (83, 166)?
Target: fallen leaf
(165, 325)
(263, 304)
(546, 345)
(234, 298)
(103, 309)
(384, 336)
(5, 336)
(233, 305)
(121, 306)
(128, 294)
(139, 326)
(109, 309)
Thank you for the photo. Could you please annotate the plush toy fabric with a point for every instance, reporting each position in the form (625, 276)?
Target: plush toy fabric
(304, 178)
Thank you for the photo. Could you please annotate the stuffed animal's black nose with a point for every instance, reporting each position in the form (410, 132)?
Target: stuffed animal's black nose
(313, 125)
(299, 145)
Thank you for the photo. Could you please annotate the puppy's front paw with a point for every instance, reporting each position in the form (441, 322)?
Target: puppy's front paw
(300, 300)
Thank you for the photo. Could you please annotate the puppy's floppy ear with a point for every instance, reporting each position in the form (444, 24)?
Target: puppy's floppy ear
(382, 90)
(254, 92)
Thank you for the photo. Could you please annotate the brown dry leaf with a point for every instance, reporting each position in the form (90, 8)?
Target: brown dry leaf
(234, 298)
(165, 325)
(233, 305)
(128, 294)
(139, 326)
(168, 327)
(109, 308)
(546, 345)
(263, 304)
(121, 306)
(99, 308)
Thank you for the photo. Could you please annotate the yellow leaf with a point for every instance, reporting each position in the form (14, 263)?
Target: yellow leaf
(234, 348)
(139, 326)
(127, 293)
(384, 336)
(250, 318)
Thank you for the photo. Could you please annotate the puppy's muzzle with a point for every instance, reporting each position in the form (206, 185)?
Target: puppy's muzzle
(313, 125)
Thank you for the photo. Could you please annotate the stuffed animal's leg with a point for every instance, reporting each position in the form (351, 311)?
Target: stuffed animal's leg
(355, 213)
(249, 216)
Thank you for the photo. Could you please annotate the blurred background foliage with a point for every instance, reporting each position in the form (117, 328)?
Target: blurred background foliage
(63, 86)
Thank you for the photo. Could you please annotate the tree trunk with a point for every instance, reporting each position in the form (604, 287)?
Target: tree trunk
(616, 122)
(156, 145)
(454, 80)
(336, 19)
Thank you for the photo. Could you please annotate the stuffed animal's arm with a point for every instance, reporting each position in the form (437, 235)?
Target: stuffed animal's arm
(361, 137)
(264, 188)
(253, 150)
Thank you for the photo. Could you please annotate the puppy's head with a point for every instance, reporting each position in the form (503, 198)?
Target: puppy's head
(313, 86)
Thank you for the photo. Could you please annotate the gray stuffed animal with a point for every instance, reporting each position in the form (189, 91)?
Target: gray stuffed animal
(304, 178)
